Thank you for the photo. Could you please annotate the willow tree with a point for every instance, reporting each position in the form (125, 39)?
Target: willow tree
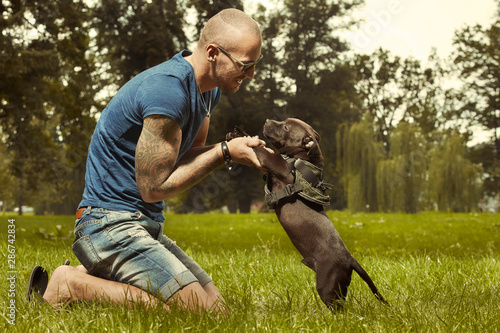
(401, 178)
(358, 156)
(454, 182)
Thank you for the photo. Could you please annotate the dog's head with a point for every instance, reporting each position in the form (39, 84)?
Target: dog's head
(294, 138)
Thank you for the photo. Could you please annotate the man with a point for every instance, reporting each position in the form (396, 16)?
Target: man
(149, 145)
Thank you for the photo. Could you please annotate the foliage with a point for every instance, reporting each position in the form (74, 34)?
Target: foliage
(453, 180)
(409, 178)
(60, 61)
(401, 178)
(46, 95)
(395, 90)
(6, 179)
(484, 154)
(135, 35)
(358, 166)
(477, 59)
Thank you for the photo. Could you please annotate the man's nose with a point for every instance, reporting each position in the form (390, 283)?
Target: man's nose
(250, 73)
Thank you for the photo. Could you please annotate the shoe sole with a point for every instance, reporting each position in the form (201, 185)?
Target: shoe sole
(37, 284)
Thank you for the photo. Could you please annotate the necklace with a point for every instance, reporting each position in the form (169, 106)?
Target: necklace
(208, 109)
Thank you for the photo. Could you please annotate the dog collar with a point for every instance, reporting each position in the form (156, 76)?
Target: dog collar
(308, 183)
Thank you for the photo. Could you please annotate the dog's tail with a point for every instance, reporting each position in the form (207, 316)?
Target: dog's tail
(364, 275)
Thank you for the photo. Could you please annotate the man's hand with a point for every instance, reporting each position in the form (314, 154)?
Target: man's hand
(241, 150)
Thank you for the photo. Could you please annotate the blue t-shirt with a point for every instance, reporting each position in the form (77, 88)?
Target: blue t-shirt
(167, 89)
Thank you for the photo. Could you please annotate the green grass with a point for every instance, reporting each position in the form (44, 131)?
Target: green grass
(440, 273)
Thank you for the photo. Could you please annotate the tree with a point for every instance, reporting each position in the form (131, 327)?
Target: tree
(300, 74)
(73, 99)
(394, 89)
(7, 182)
(401, 178)
(484, 154)
(23, 65)
(454, 182)
(41, 42)
(357, 160)
(311, 52)
(134, 35)
(477, 58)
(377, 84)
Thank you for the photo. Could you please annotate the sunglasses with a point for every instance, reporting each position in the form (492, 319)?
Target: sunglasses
(246, 67)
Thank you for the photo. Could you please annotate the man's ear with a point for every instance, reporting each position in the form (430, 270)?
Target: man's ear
(211, 52)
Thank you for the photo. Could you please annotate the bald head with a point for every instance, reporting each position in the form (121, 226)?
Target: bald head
(227, 29)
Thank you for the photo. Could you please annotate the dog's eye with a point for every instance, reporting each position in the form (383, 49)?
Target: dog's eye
(286, 128)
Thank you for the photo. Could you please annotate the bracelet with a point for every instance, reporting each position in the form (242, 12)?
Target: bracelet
(227, 156)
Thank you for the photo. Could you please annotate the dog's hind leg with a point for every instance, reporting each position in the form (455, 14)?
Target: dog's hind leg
(332, 284)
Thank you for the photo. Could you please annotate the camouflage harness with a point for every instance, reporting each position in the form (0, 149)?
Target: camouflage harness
(308, 183)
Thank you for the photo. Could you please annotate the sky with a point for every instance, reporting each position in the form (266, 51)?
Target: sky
(414, 27)
(411, 27)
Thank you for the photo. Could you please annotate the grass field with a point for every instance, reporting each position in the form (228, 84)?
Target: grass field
(440, 273)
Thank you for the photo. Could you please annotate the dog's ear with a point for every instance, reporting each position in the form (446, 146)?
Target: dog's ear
(312, 147)
(309, 142)
(237, 132)
(316, 135)
(240, 131)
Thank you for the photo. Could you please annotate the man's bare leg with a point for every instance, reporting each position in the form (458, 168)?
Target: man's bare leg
(69, 284)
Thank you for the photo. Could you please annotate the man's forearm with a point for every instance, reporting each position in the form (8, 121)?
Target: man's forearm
(159, 176)
(195, 165)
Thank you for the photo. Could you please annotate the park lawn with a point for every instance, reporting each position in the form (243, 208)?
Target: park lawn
(440, 273)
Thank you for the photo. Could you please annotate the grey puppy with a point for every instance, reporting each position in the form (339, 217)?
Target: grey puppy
(301, 212)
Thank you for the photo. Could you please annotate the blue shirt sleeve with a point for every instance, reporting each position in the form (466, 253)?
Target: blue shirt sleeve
(163, 95)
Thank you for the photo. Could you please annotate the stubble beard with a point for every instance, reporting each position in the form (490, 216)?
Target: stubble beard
(228, 84)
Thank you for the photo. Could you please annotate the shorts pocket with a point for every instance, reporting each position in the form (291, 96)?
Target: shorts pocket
(86, 253)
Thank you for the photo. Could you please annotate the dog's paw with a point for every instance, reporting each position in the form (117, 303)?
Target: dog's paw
(237, 132)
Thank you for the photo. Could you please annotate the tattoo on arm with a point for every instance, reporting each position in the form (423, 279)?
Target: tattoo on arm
(157, 174)
(156, 152)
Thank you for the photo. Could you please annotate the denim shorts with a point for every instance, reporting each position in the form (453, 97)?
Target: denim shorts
(131, 248)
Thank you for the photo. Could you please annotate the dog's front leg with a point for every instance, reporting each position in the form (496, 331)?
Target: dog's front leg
(274, 164)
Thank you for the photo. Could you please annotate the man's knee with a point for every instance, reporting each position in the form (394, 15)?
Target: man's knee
(67, 278)
(82, 269)
(61, 273)
(61, 285)
(68, 272)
